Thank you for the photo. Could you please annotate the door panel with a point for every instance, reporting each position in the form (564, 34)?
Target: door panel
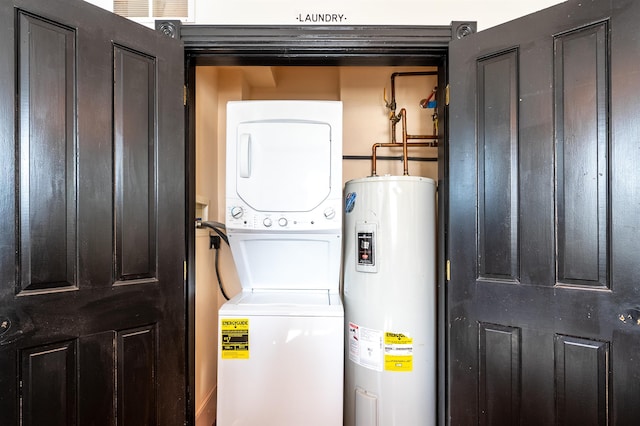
(135, 164)
(92, 305)
(47, 151)
(581, 380)
(497, 168)
(48, 384)
(544, 213)
(499, 373)
(581, 95)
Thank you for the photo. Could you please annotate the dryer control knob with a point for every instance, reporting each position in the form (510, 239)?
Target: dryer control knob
(329, 213)
(236, 212)
(267, 222)
(282, 221)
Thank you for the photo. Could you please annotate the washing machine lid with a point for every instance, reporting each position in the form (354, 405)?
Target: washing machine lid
(287, 261)
(284, 303)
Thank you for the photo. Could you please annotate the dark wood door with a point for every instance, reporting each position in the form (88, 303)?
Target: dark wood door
(92, 295)
(544, 219)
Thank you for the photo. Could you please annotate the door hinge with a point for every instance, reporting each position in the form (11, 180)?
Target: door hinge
(448, 270)
(184, 95)
(184, 269)
(446, 95)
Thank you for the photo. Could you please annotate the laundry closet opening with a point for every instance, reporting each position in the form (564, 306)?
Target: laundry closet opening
(392, 83)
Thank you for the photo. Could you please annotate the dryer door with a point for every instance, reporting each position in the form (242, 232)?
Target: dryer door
(283, 165)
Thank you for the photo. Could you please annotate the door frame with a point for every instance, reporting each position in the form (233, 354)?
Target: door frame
(220, 45)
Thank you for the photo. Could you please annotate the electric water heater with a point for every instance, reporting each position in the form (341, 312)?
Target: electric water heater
(390, 301)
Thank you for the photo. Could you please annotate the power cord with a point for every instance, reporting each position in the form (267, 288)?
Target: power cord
(214, 242)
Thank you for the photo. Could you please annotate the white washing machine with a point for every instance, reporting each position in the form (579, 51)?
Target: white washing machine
(281, 340)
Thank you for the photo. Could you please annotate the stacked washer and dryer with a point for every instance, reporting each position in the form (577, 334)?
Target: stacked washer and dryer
(281, 339)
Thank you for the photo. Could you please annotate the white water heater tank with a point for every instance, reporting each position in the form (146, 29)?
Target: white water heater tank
(390, 301)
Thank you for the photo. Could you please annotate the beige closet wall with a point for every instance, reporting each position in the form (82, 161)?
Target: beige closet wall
(206, 295)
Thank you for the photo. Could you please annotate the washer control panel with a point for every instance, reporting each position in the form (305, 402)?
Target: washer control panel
(326, 216)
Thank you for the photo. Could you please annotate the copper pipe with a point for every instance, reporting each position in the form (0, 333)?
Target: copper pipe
(405, 155)
(394, 121)
(404, 145)
(392, 145)
(392, 105)
(433, 137)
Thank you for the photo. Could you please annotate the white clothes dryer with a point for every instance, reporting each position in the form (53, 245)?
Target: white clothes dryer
(281, 340)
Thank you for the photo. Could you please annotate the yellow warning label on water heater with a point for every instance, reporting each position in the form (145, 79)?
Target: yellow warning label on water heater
(398, 352)
(234, 338)
(398, 363)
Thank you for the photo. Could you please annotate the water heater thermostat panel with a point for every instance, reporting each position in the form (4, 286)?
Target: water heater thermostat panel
(366, 247)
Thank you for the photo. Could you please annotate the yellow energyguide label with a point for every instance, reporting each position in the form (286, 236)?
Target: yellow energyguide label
(397, 339)
(234, 338)
(398, 352)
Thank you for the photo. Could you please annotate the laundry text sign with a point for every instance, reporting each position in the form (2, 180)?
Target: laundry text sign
(315, 18)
